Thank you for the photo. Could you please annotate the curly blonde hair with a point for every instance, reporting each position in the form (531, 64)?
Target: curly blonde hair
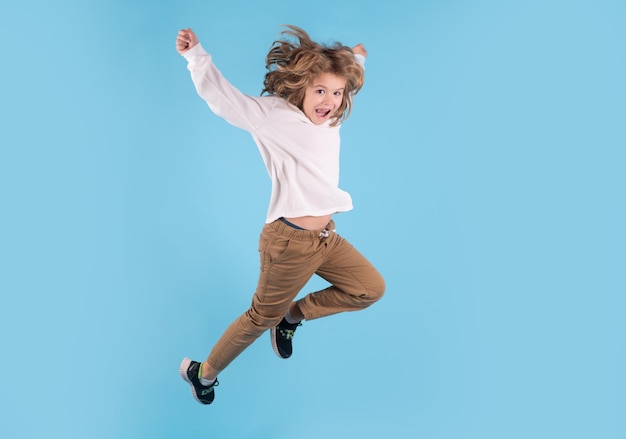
(293, 65)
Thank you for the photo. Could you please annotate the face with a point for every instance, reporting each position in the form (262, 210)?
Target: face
(323, 97)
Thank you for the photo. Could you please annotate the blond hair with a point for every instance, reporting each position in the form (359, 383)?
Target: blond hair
(292, 66)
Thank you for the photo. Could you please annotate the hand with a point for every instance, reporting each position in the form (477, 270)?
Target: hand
(185, 40)
(359, 49)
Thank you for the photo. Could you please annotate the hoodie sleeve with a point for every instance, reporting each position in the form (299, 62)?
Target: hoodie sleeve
(225, 100)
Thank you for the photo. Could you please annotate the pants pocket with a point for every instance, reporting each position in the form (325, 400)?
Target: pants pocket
(272, 248)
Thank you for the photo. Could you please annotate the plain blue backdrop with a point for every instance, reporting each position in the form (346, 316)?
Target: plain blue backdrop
(485, 156)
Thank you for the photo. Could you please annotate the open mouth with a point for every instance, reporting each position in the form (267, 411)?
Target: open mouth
(322, 113)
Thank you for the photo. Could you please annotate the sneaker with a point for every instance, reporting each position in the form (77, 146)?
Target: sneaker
(190, 371)
(281, 338)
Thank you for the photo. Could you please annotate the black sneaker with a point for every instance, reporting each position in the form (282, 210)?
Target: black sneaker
(190, 370)
(281, 338)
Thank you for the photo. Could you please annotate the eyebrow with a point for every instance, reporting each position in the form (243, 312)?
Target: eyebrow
(321, 86)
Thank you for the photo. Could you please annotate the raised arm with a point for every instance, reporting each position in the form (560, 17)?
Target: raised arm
(359, 49)
(185, 40)
(223, 98)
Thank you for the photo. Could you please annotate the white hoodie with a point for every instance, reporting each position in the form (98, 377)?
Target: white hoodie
(302, 159)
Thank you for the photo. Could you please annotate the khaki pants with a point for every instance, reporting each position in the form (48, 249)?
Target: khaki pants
(289, 258)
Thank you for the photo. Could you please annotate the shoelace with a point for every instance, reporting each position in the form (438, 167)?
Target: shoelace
(287, 334)
(208, 389)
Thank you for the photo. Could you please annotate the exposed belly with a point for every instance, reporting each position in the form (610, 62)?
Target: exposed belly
(311, 222)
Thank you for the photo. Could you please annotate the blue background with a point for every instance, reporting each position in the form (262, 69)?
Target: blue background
(485, 156)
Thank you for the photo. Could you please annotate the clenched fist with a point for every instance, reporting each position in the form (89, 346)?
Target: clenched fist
(359, 49)
(185, 40)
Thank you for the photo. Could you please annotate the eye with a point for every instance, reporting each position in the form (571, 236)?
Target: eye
(319, 91)
(338, 93)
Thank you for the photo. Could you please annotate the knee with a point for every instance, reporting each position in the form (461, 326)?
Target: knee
(374, 291)
(262, 321)
(379, 291)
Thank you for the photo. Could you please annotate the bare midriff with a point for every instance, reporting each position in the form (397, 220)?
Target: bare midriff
(311, 222)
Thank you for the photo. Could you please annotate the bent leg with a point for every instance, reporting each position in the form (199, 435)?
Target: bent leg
(287, 264)
(355, 282)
